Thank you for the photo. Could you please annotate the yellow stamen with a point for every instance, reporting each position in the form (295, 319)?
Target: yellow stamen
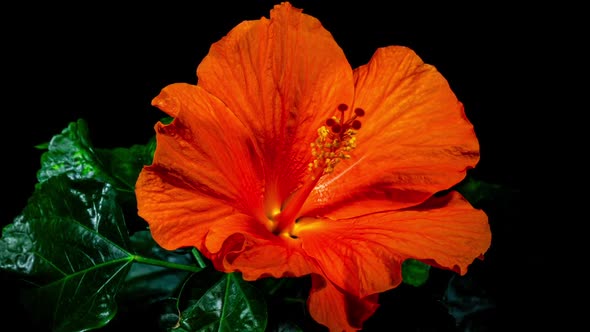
(334, 142)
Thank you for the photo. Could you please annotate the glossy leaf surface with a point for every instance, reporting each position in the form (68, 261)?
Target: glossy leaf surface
(71, 242)
(231, 304)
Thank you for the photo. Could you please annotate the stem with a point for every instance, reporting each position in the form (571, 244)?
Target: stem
(181, 291)
(157, 262)
(278, 285)
(294, 300)
(199, 258)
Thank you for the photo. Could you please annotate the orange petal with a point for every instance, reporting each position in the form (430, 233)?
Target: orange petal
(363, 255)
(414, 141)
(282, 77)
(206, 167)
(243, 244)
(336, 309)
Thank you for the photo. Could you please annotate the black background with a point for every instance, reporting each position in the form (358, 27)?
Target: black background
(105, 63)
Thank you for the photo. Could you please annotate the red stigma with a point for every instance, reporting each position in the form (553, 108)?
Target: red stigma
(341, 125)
(356, 124)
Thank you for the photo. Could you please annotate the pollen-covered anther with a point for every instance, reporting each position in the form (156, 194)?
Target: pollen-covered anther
(335, 140)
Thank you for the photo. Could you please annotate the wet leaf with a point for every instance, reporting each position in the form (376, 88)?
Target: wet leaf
(149, 295)
(149, 282)
(72, 153)
(231, 304)
(71, 242)
(124, 164)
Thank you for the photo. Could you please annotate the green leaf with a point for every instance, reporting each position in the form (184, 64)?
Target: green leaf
(231, 304)
(167, 120)
(148, 283)
(72, 153)
(126, 163)
(477, 191)
(71, 241)
(150, 288)
(286, 300)
(42, 146)
(414, 272)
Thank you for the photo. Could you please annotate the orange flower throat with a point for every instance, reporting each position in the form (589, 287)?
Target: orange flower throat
(335, 141)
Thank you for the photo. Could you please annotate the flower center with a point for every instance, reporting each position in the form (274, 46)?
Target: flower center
(335, 141)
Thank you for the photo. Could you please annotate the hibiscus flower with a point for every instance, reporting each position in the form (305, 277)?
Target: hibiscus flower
(283, 161)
